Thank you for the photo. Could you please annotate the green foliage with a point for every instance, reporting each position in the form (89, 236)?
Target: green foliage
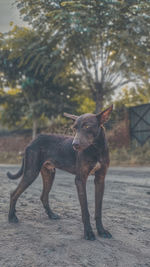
(133, 96)
(13, 110)
(106, 41)
(84, 103)
(86, 48)
(41, 93)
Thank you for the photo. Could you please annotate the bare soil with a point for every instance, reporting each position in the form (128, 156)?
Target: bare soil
(37, 241)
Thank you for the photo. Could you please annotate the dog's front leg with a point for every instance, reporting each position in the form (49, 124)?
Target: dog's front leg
(99, 191)
(80, 182)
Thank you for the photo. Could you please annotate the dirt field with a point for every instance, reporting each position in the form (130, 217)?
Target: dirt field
(39, 242)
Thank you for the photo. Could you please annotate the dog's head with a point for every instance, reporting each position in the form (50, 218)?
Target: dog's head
(87, 127)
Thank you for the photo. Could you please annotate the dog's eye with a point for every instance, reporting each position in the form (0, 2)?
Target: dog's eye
(86, 126)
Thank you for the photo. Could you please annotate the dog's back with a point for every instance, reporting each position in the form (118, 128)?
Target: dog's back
(56, 149)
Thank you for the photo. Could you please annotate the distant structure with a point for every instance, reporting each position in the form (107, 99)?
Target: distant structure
(139, 117)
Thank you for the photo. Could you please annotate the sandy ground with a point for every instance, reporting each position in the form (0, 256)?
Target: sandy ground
(38, 241)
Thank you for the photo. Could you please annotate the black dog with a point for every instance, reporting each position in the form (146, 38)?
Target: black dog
(86, 153)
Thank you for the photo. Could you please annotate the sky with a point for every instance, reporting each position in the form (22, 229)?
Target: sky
(8, 13)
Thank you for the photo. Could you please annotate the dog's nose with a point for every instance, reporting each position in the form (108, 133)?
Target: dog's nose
(76, 146)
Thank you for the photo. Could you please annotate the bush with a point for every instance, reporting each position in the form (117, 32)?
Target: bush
(131, 156)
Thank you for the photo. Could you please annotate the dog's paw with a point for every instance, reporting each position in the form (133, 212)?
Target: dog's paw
(53, 216)
(89, 235)
(104, 233)
(13, 219)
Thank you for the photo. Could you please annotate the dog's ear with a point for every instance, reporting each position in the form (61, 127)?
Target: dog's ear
(70, 116)
(104, 115)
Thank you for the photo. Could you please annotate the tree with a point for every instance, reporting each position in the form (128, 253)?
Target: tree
(133, 96)
(38, 92)
(107, 41)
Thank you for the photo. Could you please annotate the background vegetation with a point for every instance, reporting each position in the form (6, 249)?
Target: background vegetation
(76, 57)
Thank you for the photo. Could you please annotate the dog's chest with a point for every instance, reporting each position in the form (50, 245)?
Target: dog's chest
(96, 167)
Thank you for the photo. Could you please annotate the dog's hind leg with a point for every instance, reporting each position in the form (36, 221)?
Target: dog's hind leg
(16, 194)
(31, 172)
(48, 175)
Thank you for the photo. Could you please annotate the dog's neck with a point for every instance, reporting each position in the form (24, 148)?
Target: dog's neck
(100, 141)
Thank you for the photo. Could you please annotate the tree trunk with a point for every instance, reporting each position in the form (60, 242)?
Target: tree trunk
(98, 96)
(99, 104)
(34, 128)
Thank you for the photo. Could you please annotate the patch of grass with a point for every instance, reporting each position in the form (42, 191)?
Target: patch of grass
(10, 158)
(135, 155)
(125, 155)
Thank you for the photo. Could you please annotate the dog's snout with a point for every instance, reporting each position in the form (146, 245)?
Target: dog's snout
(76, 145)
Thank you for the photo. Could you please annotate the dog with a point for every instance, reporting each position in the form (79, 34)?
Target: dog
(85, 153)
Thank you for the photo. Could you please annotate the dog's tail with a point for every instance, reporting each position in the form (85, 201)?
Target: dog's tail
(18, 174)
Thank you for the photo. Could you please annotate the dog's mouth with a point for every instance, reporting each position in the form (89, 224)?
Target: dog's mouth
(77, 147)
